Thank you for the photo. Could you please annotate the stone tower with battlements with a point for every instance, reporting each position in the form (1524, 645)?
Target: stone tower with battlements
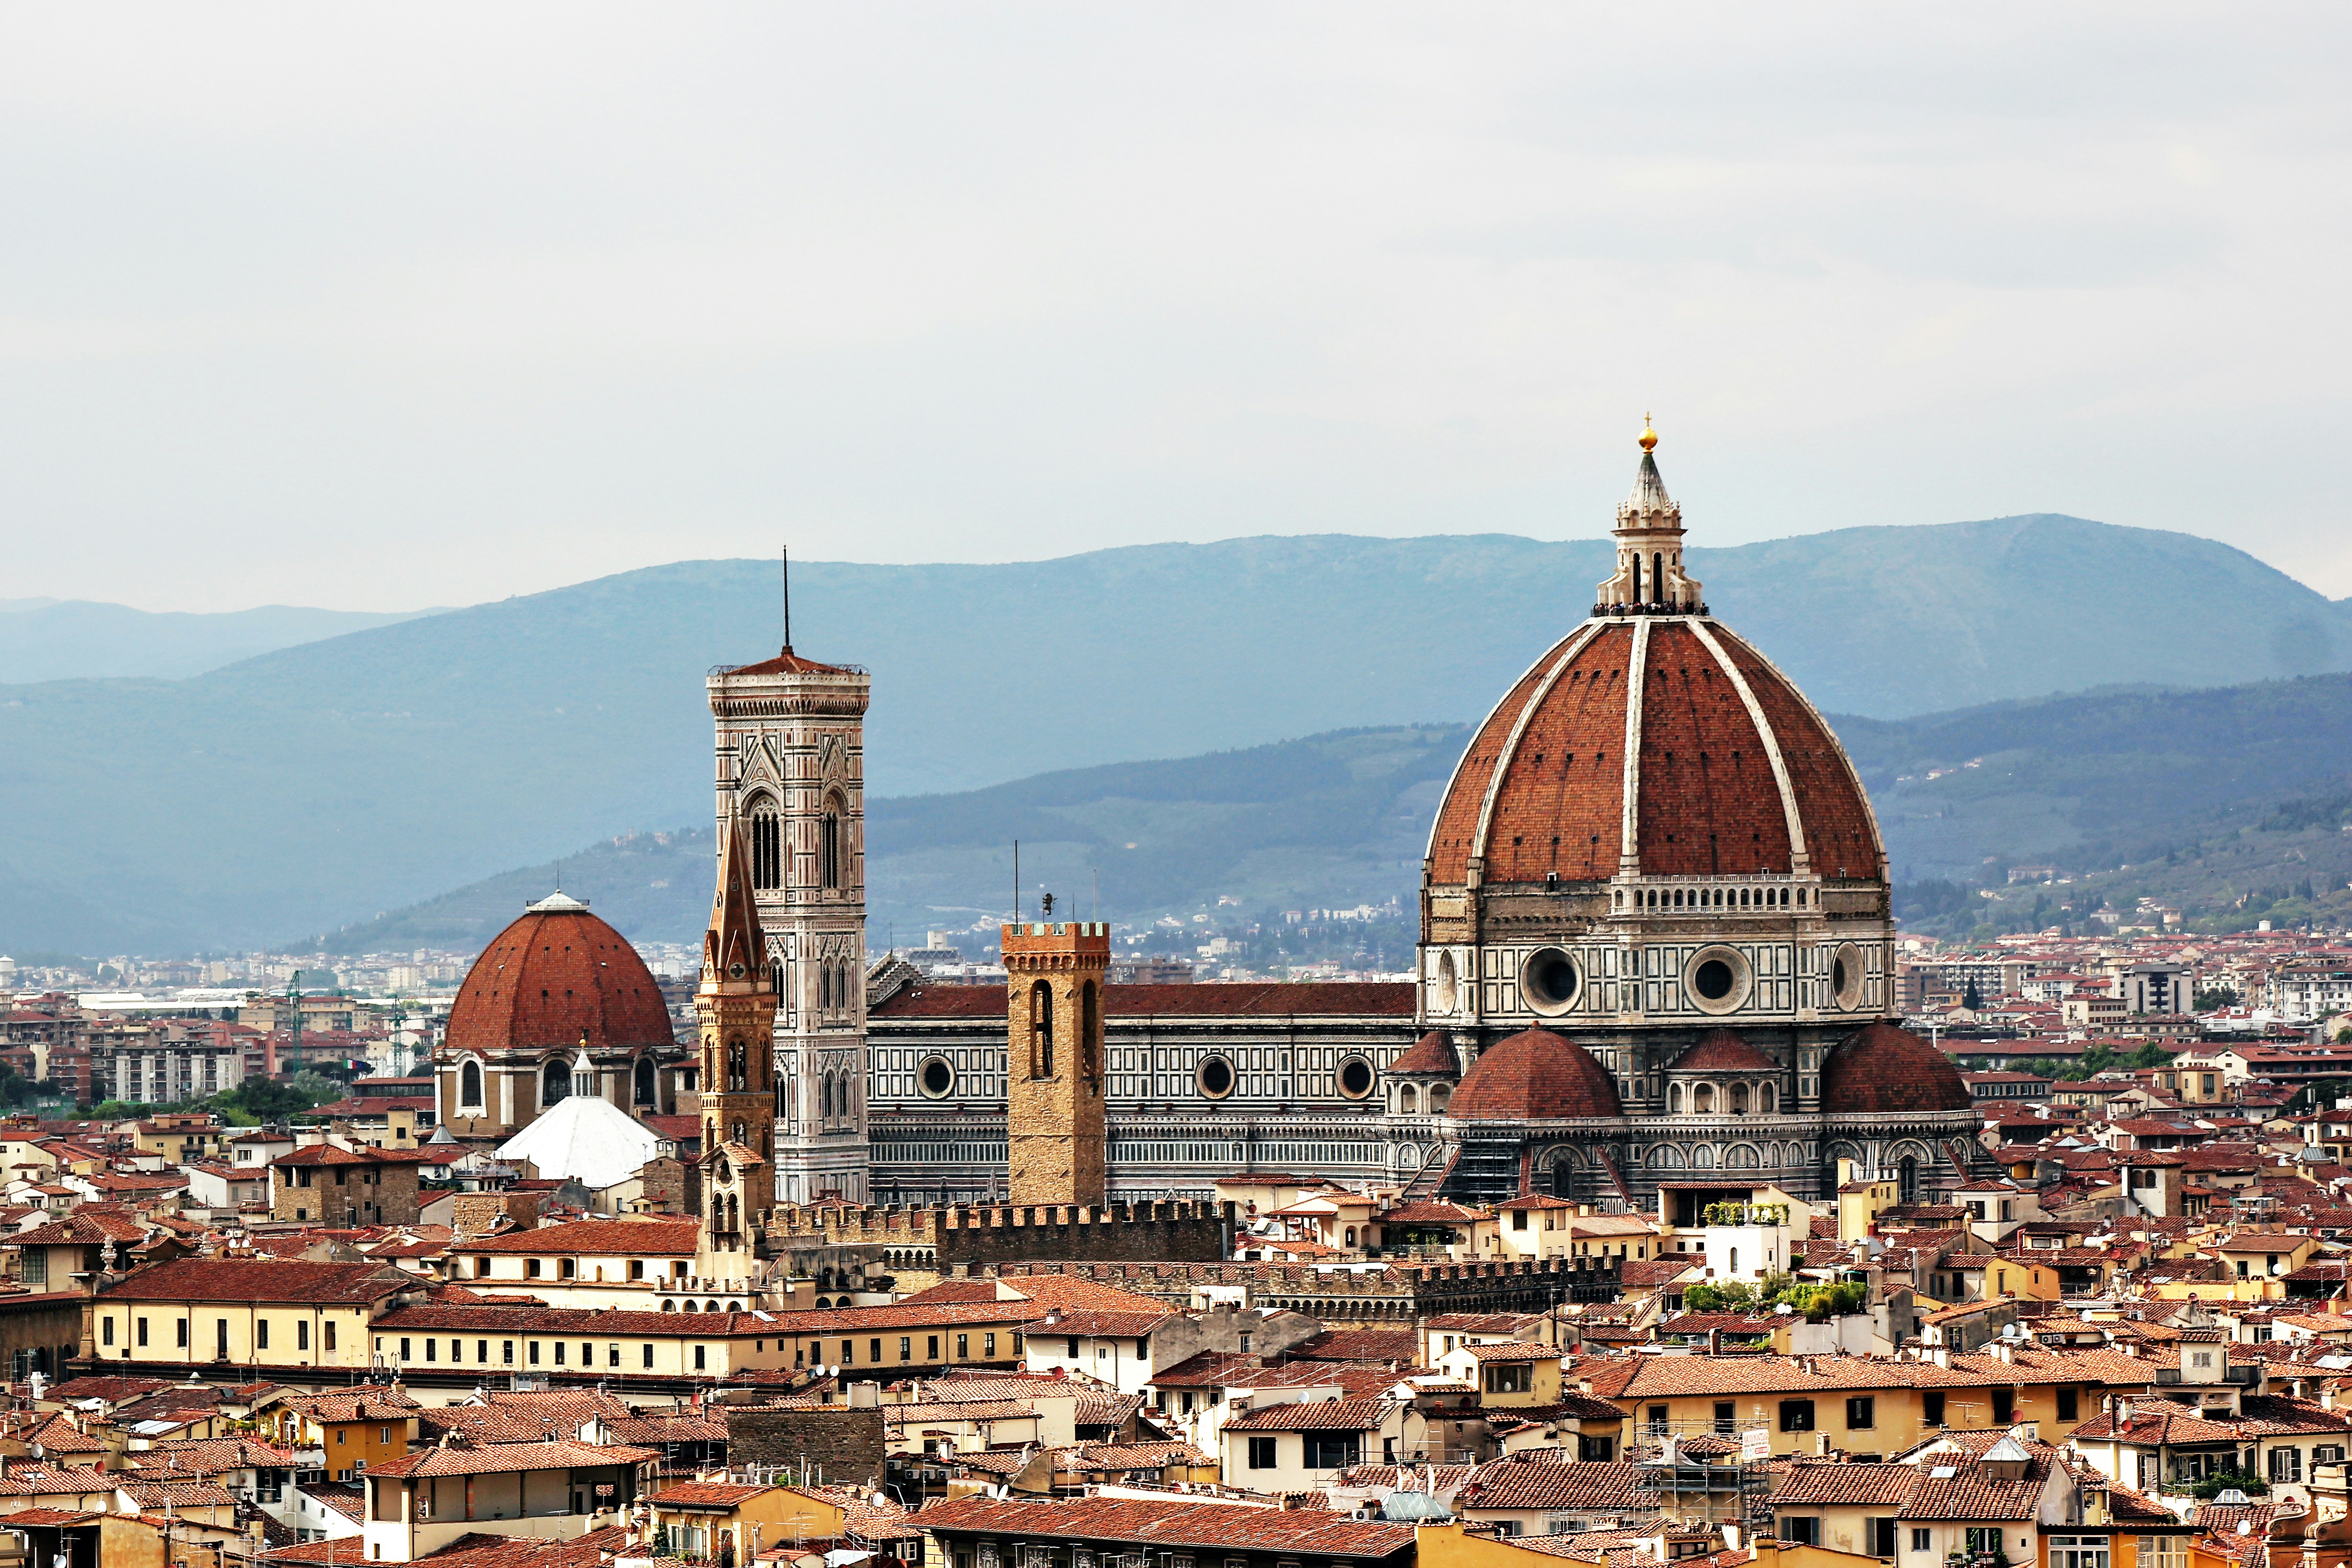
(1054, 1072)
(736, 1010)
(790, 767)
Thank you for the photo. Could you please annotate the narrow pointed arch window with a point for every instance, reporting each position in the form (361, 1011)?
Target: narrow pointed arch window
(1041, 1031)
(829, 847)
(1658, 578)
(1089, 1031)
(767, 844)
(739, 1070)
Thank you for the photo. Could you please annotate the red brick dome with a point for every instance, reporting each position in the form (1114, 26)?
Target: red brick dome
(1432, 1056)
(1720, 788)
(1724, 1052)
(1533, 1076)
(556, 975)
(1883, 1068)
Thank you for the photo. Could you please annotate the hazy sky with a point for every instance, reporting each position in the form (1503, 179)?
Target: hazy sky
(388, 306)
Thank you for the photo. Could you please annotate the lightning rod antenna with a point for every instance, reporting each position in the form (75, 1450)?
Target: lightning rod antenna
(788, 598)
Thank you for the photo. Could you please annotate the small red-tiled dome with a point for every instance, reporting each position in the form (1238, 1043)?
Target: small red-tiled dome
(1533, 1076)
(1432, 1056)
(554, 976)
(1883, 1068)
(1724, 1052)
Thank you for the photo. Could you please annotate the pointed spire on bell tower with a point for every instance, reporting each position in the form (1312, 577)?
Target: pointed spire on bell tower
(733, 950)
(1649, 580)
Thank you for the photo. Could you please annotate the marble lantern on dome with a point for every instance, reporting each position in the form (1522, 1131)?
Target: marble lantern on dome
(1656, 868)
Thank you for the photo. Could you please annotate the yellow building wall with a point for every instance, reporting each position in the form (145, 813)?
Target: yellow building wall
(354, 1445)
(1899, 1416)
(114, 1329)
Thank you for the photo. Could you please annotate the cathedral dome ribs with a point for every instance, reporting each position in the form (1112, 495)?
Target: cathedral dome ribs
(1655, 845)
(558, 979)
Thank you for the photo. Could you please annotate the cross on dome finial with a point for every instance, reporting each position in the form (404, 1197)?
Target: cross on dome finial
(1649, 437)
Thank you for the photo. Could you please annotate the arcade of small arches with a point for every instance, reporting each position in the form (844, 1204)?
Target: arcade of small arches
(1409, 1100)
(560, 1078)
(1735, 896)
(1570, 1171)
(1706, 1098)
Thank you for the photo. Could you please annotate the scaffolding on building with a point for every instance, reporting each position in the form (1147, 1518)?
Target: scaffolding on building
(1702, 1472)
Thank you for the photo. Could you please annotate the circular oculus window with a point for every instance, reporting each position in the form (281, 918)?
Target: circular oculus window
(1550, 980)
(1356, 1078)
(936, 1077)
(1846, 973)
(1717, 980)
(1214, 1077)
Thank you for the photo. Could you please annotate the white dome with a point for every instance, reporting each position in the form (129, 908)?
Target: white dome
(586, 1138)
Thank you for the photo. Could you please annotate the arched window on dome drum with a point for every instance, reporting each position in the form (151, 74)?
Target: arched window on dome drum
(1041, 1031)
(554, 1082)
(1673, 1099)
(1089, 1031)
(642, 1088)
(828, 845)
(469, 1086)
(767, 844)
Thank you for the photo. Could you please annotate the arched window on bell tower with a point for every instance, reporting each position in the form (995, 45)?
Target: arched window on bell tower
(767, 844)
(829, 847)
(739, 1071)
(1041, 1031)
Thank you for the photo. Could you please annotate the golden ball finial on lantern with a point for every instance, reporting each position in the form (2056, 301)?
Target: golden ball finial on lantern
(1649, 436)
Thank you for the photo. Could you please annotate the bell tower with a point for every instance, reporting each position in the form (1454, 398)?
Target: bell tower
(735, 1009)
(790, 755)
(1053, 1069)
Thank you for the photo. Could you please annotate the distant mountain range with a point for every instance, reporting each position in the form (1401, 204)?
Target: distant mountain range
(320, 785)
(67, 640)
(2174, 795)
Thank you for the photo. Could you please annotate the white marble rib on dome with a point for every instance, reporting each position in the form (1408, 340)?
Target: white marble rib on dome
(584, 1137)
